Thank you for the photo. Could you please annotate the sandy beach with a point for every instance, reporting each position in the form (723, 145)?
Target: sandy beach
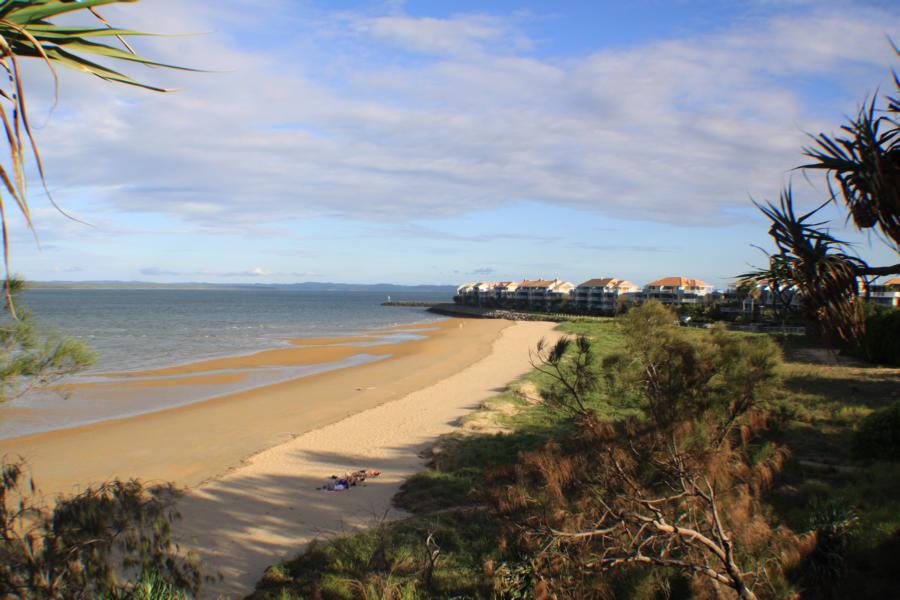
(200, 441)
(254, 459)
(271, 507)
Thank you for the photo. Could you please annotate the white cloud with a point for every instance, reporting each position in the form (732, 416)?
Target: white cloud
(680, 131)
(464, 35)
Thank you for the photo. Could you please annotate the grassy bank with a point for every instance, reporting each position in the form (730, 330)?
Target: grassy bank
(449, 548)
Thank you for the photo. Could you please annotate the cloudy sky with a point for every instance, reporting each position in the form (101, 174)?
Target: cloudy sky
(441, 142)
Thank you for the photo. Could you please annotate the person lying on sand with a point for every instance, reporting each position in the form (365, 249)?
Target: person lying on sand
(348, 480)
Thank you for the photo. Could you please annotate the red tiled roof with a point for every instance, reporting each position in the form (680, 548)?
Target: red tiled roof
(536, 283)
(597, 282)
(678, 282)
(607, 281)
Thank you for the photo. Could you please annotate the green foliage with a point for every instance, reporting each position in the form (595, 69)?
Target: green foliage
(814, 412)
(85, 544)
(823, 403)
(673, 374)
(30, 357)
(822, 268)
(603, 496)
(833, 525)
(26, 27)
(878, 436)
(881, 343)
(392, 561)
(573, 375)
(434, 490)
(152, 586)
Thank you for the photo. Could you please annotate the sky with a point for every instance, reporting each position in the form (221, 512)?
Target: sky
(443, 142)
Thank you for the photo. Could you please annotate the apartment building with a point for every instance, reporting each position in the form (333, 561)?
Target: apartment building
(886, 293)
(543, 294)
(505, 291)
(462, 293)
(603, 295)
(678, 290)
(479, 294)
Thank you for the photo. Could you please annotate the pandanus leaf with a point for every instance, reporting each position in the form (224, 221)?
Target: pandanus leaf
(26, 30)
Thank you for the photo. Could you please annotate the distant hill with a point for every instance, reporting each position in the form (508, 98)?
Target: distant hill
(310, 286)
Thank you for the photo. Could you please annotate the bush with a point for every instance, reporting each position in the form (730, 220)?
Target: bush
(878, 436)
(678, 488)
(88, 545)
(881, 343)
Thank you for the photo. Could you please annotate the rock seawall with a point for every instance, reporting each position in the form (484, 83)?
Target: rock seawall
(475, 312)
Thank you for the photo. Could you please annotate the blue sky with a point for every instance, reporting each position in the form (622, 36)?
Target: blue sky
(443, 142)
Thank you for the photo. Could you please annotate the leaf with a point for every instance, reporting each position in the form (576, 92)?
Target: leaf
(73, 61)
(53, 32)
(37, 11)
(111, 52)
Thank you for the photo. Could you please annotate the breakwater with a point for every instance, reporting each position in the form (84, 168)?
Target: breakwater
(457, 310)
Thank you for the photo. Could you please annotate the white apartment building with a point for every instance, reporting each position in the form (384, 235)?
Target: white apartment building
(505, 291)
(479, 293)
(678, 290)
(543, 294)
(602, 295)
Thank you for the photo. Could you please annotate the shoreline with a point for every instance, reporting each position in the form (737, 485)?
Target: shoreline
(96, 397)
(203, 440)
(272, 506)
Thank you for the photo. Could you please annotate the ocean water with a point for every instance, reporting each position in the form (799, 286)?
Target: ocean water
(132, 329)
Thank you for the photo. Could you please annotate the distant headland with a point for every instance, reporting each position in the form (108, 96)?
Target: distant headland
(311, 286)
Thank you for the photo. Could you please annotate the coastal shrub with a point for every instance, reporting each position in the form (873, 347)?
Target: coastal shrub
(89, 545)
(441, 556)
(152, 586)
(679, 488)
(881, 343)
(432, 490)
(878, 435)
(31, 357)
(833, 525)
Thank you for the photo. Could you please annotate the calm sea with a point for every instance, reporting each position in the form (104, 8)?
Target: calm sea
(140, 329)
(136, 329)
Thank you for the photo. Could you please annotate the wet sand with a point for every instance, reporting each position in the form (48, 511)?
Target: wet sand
(197, 442)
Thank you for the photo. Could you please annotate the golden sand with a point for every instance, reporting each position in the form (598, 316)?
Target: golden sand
(269, 508)
(334, 341)
(193, 443)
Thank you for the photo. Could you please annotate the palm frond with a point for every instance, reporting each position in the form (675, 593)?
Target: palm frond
(865, 162)
(822, 268)
(27, 30)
